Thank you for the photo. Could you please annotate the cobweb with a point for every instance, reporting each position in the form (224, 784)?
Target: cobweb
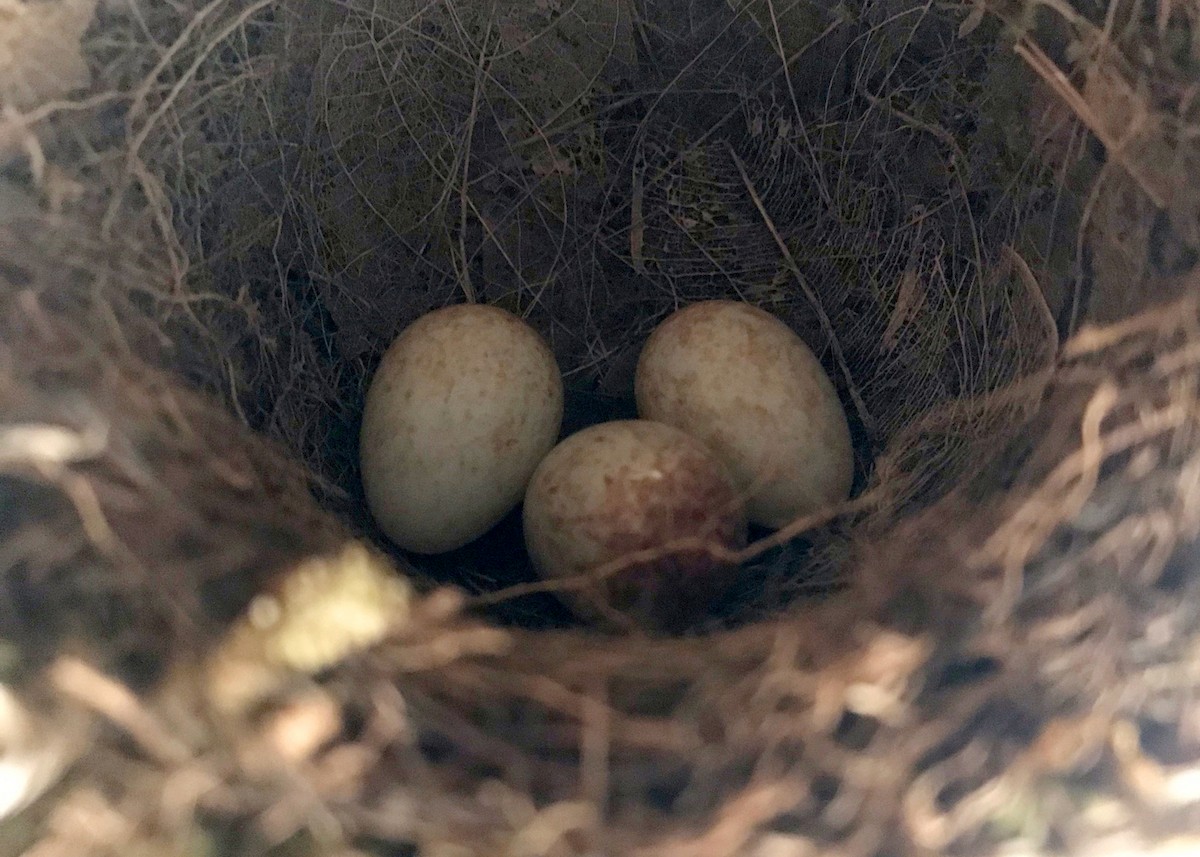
(593, 166)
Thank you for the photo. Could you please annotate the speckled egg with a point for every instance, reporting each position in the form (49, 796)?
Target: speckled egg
(627, 486)
(744, 383)
(464, 405)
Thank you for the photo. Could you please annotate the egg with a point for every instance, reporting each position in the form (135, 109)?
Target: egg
(464, 405)
(744, 383)
(626, 486)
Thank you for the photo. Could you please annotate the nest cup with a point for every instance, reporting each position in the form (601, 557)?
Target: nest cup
(214, 218)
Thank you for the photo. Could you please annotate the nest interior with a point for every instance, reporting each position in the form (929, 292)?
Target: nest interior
(215, 216)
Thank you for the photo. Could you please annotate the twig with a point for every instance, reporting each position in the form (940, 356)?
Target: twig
(464, 187)
(1034, 289)
(826, 325)
(595, 745)
(139, 138)
(777, 44)
(118, 704)
(1092, 339)
(1054, 77)
(714, 550)
(734, 825)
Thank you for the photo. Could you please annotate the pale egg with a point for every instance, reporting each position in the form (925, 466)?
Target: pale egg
(464, 405)
(743, 382)
(619, 488)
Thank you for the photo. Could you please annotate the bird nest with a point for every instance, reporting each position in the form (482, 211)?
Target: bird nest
(214, 217)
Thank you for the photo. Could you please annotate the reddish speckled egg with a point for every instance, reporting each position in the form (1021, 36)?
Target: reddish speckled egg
(464, 405)
(623, 487)
(743, 382)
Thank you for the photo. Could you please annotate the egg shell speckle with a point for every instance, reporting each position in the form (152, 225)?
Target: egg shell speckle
(744, 383)
(464, 405)
(626, 486)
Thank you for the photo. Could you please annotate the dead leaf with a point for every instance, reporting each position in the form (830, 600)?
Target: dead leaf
(908, 301)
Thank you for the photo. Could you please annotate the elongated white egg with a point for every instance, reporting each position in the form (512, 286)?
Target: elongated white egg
(744, 383)
(464, 405)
